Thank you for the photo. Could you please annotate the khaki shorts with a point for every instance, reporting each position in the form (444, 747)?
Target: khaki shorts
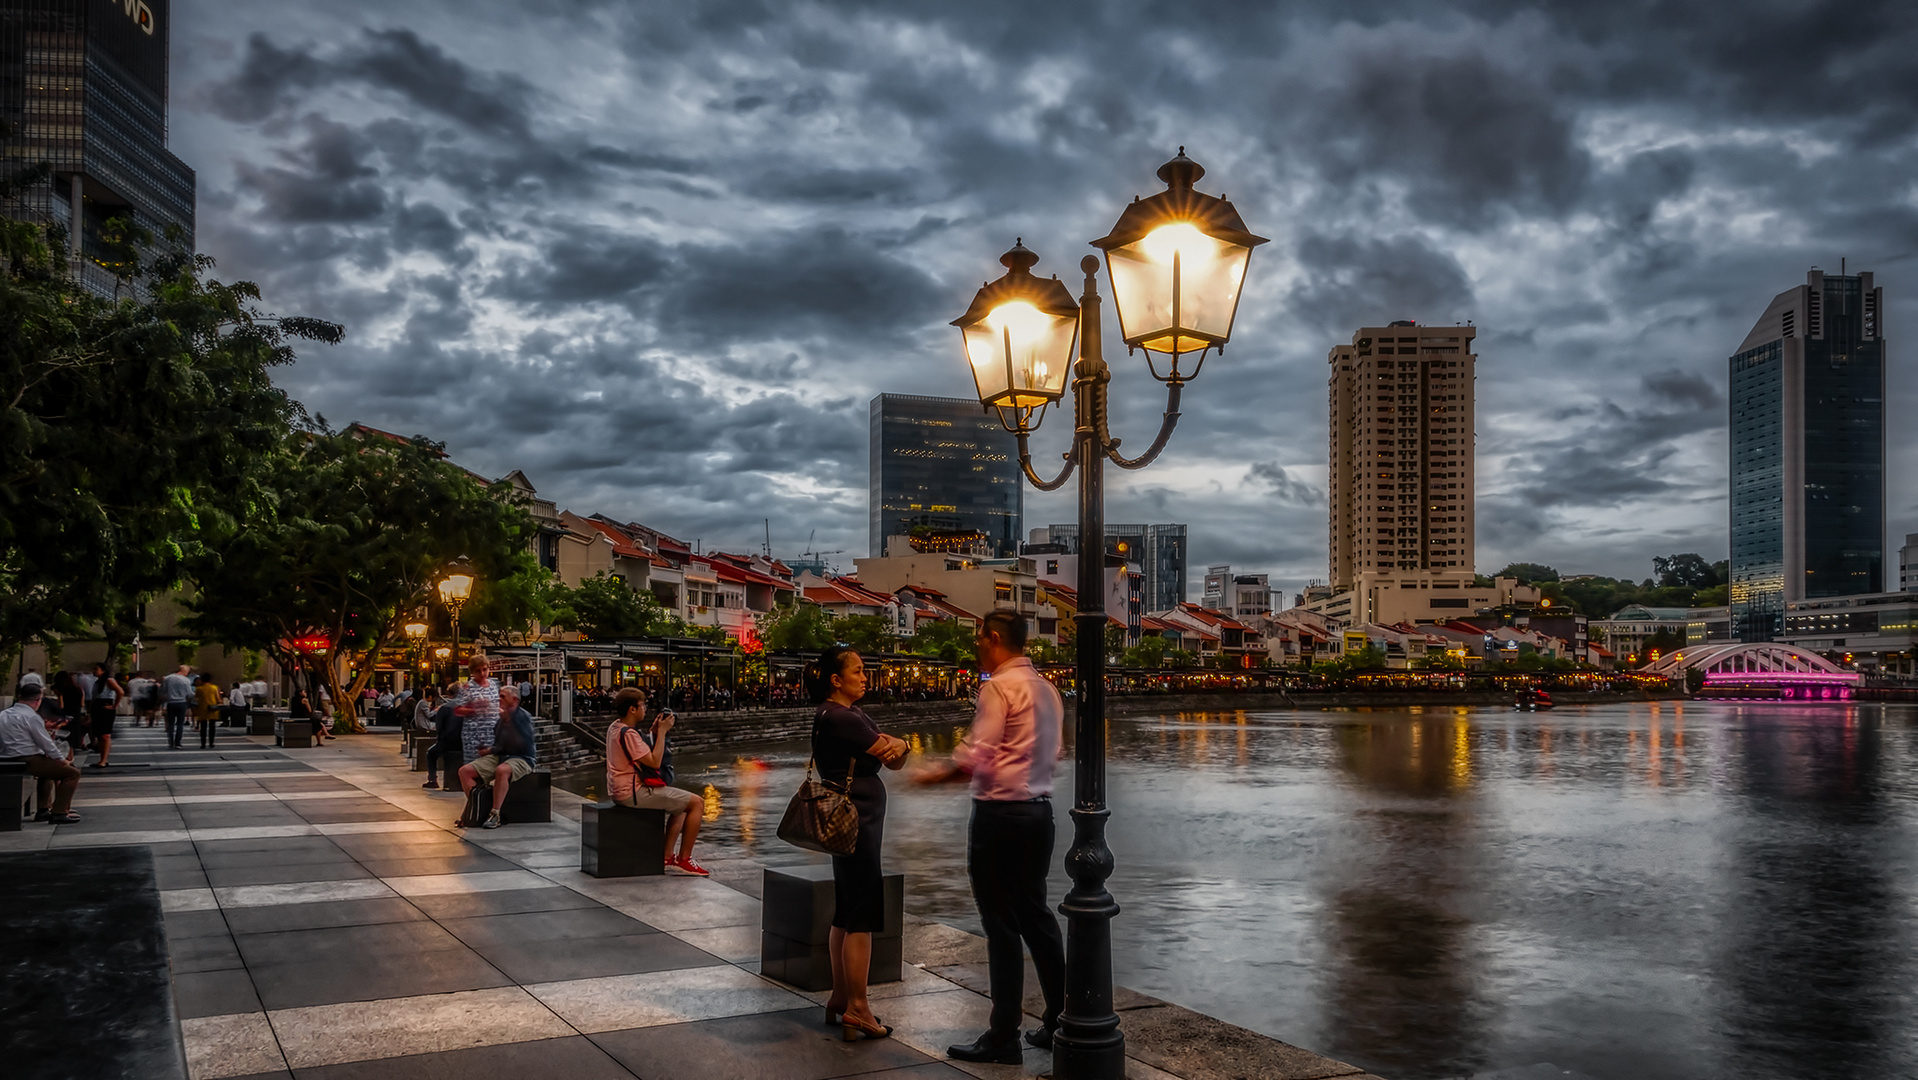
(670, 799)
(488, 765)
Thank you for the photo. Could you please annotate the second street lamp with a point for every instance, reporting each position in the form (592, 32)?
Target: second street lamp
(455, 589)
(1177, 261)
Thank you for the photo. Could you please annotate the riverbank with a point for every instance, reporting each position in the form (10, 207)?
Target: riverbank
(707, 732)
(319, 912)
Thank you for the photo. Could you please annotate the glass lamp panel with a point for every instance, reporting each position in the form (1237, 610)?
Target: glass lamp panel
(1210, 273)
(456, 587)
(985, 350)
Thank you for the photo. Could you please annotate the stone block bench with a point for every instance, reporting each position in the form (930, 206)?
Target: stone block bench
(293, 734)
(796, 918)
(529, 799)
(621, 841)
(14, 786)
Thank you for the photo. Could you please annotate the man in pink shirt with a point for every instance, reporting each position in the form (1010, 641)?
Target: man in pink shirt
(1010, 752)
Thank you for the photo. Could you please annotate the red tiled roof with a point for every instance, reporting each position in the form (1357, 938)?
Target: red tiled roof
(622, 544)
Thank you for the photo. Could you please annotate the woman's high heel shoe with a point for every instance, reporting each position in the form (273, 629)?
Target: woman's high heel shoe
(832, 1018)
(853, 1030)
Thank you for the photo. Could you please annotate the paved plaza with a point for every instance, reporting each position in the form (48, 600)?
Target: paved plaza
(324, 920)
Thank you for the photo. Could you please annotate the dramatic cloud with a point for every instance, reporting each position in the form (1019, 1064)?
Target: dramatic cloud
(660, 256)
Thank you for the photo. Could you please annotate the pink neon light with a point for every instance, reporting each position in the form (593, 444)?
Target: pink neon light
(1780, 678)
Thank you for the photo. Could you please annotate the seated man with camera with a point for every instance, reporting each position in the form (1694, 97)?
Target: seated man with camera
(639, 773)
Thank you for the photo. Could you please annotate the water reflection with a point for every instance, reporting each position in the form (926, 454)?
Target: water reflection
(1659, 891)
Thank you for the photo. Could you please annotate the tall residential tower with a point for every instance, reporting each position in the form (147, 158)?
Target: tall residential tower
(1401, 453)
(1808, 451)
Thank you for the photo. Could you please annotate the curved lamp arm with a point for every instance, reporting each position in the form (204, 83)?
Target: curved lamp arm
(1025, 462)
(1170, 420)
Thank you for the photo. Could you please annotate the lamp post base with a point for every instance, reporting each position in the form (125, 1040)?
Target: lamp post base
(1089, 1044)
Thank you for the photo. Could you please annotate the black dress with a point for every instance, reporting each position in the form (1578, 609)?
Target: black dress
(841, 735)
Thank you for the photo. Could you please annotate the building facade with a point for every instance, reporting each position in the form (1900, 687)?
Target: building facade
(1402, 470)
(1808, 452)
(1876, 633)
(1159, 550)
(1908, 564)
(942, 466)
(83, 91)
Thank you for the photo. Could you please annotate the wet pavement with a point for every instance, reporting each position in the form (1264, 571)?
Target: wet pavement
(1668, 890)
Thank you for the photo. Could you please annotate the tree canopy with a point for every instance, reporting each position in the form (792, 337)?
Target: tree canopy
(133, 431)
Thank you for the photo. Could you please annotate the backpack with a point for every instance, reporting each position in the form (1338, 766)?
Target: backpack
(479, 805)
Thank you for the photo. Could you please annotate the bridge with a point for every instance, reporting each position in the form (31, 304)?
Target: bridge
(1764, 669)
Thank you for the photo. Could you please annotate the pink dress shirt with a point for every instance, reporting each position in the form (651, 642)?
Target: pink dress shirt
(1014, 743)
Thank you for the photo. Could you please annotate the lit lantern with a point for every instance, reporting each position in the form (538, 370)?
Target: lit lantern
(1020, 334)
(1177, 261)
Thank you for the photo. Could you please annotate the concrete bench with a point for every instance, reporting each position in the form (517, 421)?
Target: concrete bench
(795, 920)
(14, 786)
(621, 841)
(529, 799)
(421, 743)
(293, 734)
(260, 722)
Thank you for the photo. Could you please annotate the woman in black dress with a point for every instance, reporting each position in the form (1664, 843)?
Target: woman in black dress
(844, 739)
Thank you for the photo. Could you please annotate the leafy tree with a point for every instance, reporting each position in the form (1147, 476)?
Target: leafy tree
(605, 608)
(347, 540)
(1687, 571)
(130, 429)
(1150, 652)
(865, 633)
(503, 610)
(948, 640)
(1716, 596)
(1529, 573)
(801, 626)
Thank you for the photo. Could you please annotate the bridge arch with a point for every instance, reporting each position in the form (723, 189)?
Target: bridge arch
(1745, 657)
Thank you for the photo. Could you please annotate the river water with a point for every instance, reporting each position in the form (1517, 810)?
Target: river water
(1638, 891)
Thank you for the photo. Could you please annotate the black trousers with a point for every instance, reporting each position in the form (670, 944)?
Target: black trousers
(1008, 855)
(176, 722)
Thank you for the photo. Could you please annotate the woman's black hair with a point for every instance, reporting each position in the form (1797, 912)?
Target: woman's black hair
(819, 673)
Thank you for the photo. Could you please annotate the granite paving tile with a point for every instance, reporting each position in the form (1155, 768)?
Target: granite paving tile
(585, 958)
(209, 953)
(333, 1034)
(268, 849)
(228, 1046)
(190, 924)
(330, 811)
(662, 997)
(214, 993)
(504, 902)
(768, 1046)
(341, 870)
(572, 1058)
(362, 978)
(276, 917)
(468, 862)
(591, 922)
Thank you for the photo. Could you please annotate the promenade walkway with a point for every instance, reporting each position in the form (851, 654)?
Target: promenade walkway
(323, 920)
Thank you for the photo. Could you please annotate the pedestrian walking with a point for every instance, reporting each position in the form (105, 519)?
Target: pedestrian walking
(845, 741)
(178, 688)
(206, 710)
(1010, 754)
(103, 702)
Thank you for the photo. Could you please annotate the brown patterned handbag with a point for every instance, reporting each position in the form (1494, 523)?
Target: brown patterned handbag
(821, 817)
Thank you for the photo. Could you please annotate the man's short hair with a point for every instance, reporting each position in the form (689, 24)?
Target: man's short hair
(1009, 625)
(28, 691)
(509, 689)
(627, 697)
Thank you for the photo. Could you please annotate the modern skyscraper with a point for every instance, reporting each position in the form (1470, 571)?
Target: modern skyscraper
(83, 90)
(1401, 454)
(1158, 549)
(944, 467)
(1808, 451)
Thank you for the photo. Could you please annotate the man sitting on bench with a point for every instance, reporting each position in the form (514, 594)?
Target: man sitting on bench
(511, 757)
(639, 772)
(24, 738)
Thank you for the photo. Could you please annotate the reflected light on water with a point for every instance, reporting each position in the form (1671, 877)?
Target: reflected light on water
(1658, 891)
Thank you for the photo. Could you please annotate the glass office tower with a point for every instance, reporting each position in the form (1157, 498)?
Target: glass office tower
(83, 91)
(1808, 451)
(942, 465)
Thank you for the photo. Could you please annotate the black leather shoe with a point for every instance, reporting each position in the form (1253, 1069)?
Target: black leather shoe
(1041, 1036)
(999, 1050)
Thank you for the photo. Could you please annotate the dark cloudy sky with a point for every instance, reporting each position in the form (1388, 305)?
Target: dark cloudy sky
(660, 255)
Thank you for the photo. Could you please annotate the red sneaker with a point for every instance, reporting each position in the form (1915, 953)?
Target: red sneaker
(690, 867)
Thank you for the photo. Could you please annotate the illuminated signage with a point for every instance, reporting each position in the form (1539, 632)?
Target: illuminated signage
(141, 14)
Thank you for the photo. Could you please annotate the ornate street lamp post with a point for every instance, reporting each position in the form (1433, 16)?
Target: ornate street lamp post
(455, 589)
(416, 634)
(1177, 262)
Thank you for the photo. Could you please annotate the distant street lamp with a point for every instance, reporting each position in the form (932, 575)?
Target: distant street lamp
(455, 589)
(1177, 262)
(416, 634)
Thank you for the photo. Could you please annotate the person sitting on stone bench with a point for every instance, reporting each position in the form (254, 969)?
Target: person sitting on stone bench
(448, 728)
(639, 773)
(511, 756)
(24, 738)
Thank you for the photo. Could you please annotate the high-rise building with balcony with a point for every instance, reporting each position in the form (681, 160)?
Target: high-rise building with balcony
(944, 471)
(1401, 454)
(1808, 451)
(83, 92)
